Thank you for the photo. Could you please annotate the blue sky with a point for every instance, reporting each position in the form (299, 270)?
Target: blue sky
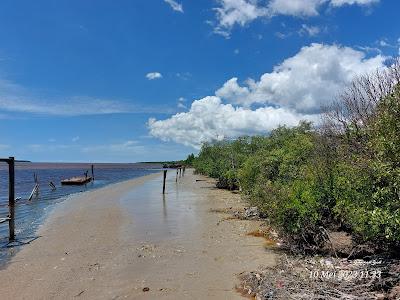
(151, 80)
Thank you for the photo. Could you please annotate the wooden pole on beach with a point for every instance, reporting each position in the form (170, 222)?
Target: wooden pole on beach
(11, 197)
(183, 172)
(92, 172)
(165, 177)
(180, 172)
(176, 180)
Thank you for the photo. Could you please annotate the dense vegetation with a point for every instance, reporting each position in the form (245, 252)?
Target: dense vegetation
(343, 173)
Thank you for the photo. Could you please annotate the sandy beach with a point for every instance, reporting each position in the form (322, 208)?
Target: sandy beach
(128, 241)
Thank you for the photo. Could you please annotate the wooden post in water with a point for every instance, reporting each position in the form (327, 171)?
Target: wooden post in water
(92, 172)
(165, 177)
(176, 180)
(36, 188)
(11, 197)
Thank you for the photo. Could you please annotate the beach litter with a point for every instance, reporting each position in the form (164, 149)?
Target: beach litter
(324, 278)
(248, 213)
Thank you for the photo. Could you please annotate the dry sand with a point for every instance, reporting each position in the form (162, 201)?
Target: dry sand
(114, 242)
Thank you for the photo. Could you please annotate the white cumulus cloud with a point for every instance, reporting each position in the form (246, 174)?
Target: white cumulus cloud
(295, 90)
(153, 75)
(209, 119)
(175, 5)
(231, 12)
(241, 12)
(304, 82)
(298, 8)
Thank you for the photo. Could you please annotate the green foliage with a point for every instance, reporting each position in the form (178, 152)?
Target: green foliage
(222, 160)
(280, 179)
(274, 172)
(189, 160)
(367, 187)
(305, 180)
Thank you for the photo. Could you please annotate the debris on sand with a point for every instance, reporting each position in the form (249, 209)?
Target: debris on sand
(248, 213)
(324, 278)
(251, 212)
(147, 248)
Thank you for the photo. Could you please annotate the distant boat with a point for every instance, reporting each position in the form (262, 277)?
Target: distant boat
(76, 180)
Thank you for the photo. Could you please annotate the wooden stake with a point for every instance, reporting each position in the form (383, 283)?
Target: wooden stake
(35, 191)
(92, 172)
(53, 187)
(11, 197)
(176, 180)
(36, 188)
(165, 176)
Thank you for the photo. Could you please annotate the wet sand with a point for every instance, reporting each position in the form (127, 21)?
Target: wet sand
(122, 240)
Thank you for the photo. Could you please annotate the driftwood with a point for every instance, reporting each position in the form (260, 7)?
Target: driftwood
(51, 184)
(3, 220)
(35, 191)
(323, 278)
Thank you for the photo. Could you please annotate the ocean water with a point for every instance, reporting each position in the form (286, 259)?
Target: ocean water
(30, 214)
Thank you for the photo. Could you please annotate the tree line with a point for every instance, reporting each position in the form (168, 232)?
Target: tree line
(340, 174)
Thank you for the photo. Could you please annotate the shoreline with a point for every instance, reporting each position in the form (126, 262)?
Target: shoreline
(67, 203)
(120, 240)
(48, 212)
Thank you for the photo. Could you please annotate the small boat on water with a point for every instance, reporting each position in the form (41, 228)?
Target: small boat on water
(80, 180)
